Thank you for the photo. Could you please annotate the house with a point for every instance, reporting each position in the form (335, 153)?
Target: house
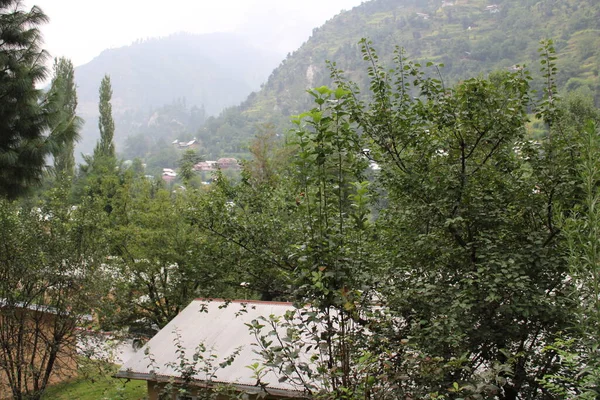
(228, 163)
(221, 163)
(515, 68)
(169, 175)
(192, 144)
(423, 15)
(218, 328)
(206, 166)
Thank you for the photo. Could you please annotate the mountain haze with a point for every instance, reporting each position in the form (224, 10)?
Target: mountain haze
(210, 71)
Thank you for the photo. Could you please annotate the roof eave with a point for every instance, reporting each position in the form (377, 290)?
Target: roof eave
(242, 388)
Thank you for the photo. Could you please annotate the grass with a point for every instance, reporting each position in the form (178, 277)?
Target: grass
(96, 383)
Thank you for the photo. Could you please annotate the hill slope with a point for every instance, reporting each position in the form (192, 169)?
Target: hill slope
(209, 71)
(470, 37)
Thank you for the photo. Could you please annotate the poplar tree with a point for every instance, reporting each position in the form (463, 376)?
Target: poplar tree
(106, 125)
(98, 174)
(64, 88)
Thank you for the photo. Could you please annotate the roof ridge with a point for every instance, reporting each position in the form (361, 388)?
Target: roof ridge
(240, 301)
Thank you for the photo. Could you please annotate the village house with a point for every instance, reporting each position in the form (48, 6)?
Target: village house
(221, 163)
(206, 166)
(492, 9)
(169, 175)
(219, 326)
(228, 163)
(192, 144)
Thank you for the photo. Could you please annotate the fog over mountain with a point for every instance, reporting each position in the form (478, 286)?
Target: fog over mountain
(80, 30)
(210, 71)
(284, 27)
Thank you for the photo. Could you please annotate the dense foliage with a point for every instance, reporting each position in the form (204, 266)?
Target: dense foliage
(63, 86)
(49, 269)
(438, 240)
(449, 274)
(32, 124)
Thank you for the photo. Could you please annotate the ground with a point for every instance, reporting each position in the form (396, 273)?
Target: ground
(97, 383)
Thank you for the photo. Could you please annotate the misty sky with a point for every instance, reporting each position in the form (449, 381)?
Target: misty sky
(81, 29)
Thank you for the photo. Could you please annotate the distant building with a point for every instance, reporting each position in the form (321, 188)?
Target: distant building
(515, 68)
(221, 163)
(423, 15)
(206, 166)
(228, 163)
(169, 175)
(192, 144)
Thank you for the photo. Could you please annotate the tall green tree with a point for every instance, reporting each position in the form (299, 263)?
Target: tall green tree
(466, 260)
(48, 267)
(186, 164)
(27, 115)
(98, 176)
(63, 87)
(106, 124)
(470, 235)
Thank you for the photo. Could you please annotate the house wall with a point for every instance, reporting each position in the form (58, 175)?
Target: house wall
(65, 366)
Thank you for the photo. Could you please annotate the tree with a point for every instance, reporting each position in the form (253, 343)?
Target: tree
(186, 164)
(465, 256)
(472, 241)
(579, 374)
(63, 87)
(269, 156)
(335, 268)
(160, 260)
(106, 125)
(48, 271)
(98, 176)
(26, 115)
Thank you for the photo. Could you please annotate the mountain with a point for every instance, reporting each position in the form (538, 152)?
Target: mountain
(470, 37)
(209, 72)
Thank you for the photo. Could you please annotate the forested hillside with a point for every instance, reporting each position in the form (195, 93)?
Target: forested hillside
(469, 37)
(204, 72)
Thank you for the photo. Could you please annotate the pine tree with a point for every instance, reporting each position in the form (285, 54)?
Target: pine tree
(64, 89)
(106, 125)
(24, 116)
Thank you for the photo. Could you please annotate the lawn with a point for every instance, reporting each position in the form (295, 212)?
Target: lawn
(97, 384)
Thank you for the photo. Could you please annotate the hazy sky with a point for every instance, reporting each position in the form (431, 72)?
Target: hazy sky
(81, 29)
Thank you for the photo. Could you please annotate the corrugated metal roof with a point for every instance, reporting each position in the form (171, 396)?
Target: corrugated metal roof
(220, 326)
(43, 309)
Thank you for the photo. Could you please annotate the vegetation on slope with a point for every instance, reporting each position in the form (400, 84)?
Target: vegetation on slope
(469, 37)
